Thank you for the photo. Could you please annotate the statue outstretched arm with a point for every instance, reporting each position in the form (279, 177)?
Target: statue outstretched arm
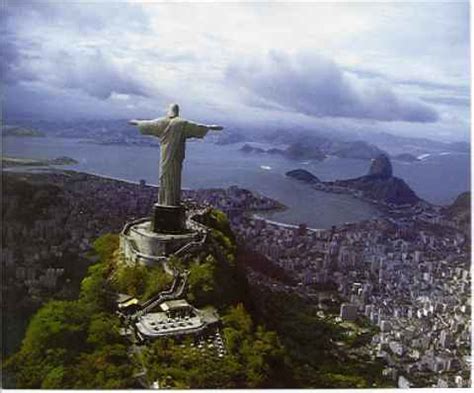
(214, 127)
(195, 130)
(150, 127)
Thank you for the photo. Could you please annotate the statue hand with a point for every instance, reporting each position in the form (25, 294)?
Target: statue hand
(133, 122)
(216, 128)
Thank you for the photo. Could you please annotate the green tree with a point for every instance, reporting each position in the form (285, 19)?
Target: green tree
(55, 379)
(103, 330)
(75, 344)
(201, 282)
(106, 245)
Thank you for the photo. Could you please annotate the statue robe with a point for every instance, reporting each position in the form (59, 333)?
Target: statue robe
(173, 132)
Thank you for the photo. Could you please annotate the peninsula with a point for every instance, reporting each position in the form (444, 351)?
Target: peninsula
(17, 161)
(378, 186)
(8, 130)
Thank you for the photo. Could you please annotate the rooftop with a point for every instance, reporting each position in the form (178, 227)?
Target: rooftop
(161, 324)
(158, 324)
(174, 304)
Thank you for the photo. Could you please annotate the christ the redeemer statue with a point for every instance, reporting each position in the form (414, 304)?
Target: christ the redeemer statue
(172, 130)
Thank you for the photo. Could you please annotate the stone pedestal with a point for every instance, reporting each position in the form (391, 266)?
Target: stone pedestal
(168, 219)
(140, 244)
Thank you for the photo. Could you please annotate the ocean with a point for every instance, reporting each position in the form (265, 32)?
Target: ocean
(437, 178)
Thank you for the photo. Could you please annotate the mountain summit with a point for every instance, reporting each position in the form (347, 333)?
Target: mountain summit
(378, 185)
(381, 167)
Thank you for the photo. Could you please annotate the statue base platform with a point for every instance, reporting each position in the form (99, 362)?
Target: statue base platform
(168, 219)
(140, 244)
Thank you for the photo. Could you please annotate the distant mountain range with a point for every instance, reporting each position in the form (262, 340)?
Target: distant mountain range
(370, 145)
(386, 140)
(298, 144)
(305, 150)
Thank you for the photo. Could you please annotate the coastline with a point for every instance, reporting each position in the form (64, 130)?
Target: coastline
(42, 169)
(280, 208)
(283, 225)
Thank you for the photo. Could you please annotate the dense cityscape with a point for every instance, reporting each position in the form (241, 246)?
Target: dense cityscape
(412, 281)
(407, 273)
(77, 209)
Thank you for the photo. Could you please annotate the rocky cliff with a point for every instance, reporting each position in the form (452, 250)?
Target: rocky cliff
(381, 167)
(384, 189)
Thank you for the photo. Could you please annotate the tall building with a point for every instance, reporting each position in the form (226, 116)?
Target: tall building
(348, 311)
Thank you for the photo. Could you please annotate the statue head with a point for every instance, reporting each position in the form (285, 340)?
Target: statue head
(173, 110)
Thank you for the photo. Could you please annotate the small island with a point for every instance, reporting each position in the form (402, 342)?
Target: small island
(296, 151)
(303, 175)
(32, 162)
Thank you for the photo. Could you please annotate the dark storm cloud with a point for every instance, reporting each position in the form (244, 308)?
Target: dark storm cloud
(46, 102)
(318, 87)
(9, 59)
(14, 57)
(14, 50)
(93, 73)
(91, 70)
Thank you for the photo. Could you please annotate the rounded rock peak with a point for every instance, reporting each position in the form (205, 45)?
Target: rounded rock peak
(381, 167)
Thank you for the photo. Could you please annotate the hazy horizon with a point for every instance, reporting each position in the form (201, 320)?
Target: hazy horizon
(348, 67)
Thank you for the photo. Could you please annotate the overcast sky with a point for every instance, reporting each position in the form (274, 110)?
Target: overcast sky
(396, 67)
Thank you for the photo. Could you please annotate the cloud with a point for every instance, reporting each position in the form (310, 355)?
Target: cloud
(379, 66)
(316, 86)
(95, 74)
(86, 17)
(9, 59)
(454, 101)
(91, 71)
(434, 85)
(71, 60)
(15, 52)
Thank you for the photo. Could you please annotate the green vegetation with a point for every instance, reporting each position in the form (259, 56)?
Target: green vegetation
(273, 340)
(321, 353)
(76, 344)
(213, 275)
(254, 358)
(140, 281)
(28, 199)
